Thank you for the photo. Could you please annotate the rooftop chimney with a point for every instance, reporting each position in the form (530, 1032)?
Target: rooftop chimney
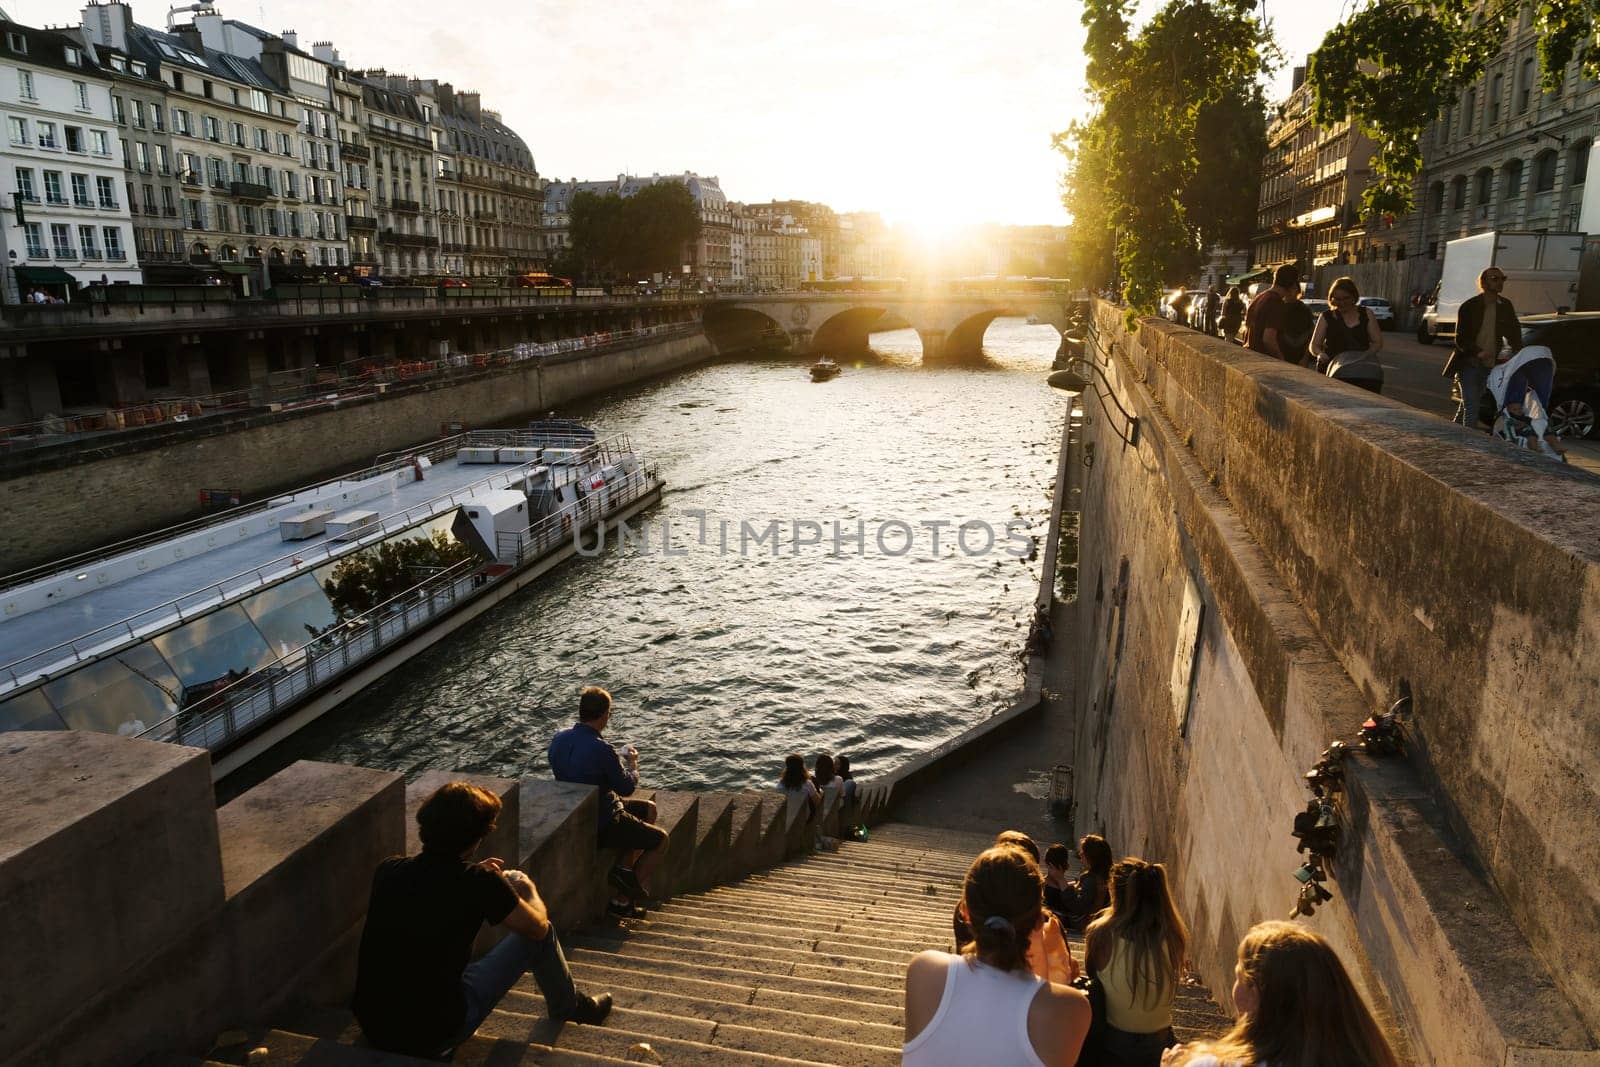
(1299, 77)
(107, 23)
(290, 38)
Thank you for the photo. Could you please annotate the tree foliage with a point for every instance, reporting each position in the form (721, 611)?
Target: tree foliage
(366, 579)
(1395, 65)
(1166, 161)
(633, 237)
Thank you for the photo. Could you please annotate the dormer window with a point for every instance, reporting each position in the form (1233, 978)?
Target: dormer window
(17, 43)
(138, 68)
(73, 56)
(119, 64)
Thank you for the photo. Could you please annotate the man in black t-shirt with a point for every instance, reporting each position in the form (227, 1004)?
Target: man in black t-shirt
(415, 990)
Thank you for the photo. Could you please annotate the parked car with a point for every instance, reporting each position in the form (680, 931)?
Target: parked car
(1574, 339)
(452, 283)
(1380, 309)
(1315, 306)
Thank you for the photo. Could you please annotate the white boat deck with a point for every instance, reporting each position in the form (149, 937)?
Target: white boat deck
(42, 639)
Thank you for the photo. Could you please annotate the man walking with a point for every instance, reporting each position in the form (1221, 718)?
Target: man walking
(1213, 309)
(415, 990)
(580, 754)
(1483, 323)
(1264, 321)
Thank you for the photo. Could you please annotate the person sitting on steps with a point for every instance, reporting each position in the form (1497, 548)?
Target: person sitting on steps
(1048, 953)
(579, 754)
(416, 993)
(1079, 900)
(985, 1006)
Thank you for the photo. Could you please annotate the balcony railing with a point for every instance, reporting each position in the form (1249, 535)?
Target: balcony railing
(411, 207)
(352, 151)
(250, 191)
(360, 222)
(417, 240)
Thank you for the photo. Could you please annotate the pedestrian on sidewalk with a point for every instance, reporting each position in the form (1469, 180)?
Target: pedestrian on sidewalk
(1232, 315)
(1484, 324)
(1264, 320)
(580, 754)
(416, 992)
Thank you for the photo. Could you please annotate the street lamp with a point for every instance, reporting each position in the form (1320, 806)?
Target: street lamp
(1078, 377)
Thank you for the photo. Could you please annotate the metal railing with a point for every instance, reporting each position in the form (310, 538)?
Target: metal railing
(171, 613)
(219, 718)
(41, 432)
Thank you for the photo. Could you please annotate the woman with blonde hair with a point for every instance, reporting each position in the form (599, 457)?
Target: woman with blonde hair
(986, 1006)
(1297, 1008)
(1135, 949)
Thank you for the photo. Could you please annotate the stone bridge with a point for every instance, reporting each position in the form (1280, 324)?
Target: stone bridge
(950, 324)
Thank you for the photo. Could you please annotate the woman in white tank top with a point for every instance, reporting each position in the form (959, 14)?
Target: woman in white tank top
(986, 1007)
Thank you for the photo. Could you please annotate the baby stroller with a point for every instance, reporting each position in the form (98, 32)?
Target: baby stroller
(1524, 381)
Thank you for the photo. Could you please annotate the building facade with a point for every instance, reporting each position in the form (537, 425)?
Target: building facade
(709, 258)
(1507, 155)
(491, 199)
(403, 131)
(67, 220)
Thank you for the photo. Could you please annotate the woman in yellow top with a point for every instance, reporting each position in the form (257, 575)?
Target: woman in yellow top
(1136, 951)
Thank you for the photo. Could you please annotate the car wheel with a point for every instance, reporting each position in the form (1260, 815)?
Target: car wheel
(1424, 335)
(1572, 416)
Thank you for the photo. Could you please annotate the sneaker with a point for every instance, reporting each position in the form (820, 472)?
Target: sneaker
(624, 909)
(623, 879)
(591, 1011)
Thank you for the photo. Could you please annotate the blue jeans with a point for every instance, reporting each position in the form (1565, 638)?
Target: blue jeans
(486, 981)
(1473, 378)
(1538, 376)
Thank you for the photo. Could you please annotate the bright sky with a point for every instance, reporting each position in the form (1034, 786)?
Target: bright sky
(931, 111)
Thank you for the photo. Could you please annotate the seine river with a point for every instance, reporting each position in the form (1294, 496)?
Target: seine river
(721, 661)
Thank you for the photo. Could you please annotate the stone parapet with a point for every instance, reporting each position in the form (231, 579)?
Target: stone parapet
(1343, 546)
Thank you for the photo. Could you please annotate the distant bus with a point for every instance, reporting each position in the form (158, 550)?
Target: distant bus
(538, 279)
(854, 285)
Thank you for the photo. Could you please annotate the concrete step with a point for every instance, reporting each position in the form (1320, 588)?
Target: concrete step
(930, 916)
(739, 989)
(714, 1045)
(846, 1000)
(832, 970)
(285, 1048)
(676, 1002)
(898, 922)
(692, 916)
(833, 955)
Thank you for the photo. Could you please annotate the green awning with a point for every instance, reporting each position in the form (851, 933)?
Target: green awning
(233, 268)
(1246, 279)
(44, 276)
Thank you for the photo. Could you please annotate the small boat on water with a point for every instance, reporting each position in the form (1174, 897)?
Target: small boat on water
(231, 632)
(824, 370)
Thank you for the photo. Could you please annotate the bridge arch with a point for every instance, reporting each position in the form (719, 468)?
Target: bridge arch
(845, 332)
(732, 328)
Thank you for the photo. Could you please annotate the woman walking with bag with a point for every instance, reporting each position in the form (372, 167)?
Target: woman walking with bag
(1297, 1008)
(985, 1006)
(1347, 340)
(1135, 951)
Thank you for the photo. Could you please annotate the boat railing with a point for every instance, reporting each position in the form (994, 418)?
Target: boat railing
(540, 536)
(219, 718)
(164, 616)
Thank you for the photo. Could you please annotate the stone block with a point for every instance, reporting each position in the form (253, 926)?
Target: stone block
(298, 854)
(559, 824)
(108, 854)
(679, 815)
(713, 838)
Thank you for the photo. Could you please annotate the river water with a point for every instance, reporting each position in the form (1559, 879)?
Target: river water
(721, 661)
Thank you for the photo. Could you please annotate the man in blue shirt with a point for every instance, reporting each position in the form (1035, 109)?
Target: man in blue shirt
(580, 754)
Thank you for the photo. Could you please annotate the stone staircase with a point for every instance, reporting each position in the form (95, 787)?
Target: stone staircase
(802, 963)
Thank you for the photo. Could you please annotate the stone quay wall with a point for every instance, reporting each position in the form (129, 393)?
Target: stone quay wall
(1340, 547)
(65, 503)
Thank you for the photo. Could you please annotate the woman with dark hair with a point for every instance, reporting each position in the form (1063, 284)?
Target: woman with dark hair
(1297, 1008)
(1135, 949)
(1232, 315)
(798, 789)
(1081, 899)
(985, 1006)
(830, 787)
(1347, 340)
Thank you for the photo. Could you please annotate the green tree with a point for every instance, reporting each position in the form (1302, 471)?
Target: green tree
(615, 237)
(1158, 168)
(1392, 66)
(362, 581)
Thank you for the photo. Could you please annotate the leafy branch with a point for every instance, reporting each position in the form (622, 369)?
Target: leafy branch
(1394, 65)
